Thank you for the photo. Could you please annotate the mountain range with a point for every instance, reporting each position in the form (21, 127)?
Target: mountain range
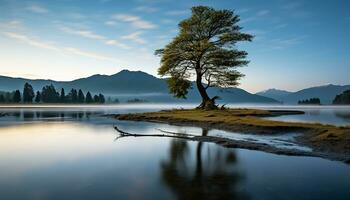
(127, 84)
(325, 93)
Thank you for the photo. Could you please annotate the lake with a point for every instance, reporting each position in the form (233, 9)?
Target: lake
(73, 152)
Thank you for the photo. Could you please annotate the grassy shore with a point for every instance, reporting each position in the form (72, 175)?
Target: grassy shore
(322, 138)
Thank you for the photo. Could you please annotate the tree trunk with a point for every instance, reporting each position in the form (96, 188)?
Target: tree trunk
(207, 103)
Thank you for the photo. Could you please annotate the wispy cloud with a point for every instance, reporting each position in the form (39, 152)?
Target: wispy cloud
(286, 42)
(260, 14)
(135, 37)
(49, 46)
(110, 23)
(134, 21)
(89, 54)
(91, 35)
(279, 26)
(292, 5)
(37, 9)
(146, 9)
(296, 9)
(13, 24)
(82, 33)
(116, 43)
(32, 42)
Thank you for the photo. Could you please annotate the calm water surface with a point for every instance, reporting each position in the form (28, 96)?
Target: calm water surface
(336, 115)
(73, 153)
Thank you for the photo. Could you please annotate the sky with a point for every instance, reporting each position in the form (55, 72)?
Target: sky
(297, 44)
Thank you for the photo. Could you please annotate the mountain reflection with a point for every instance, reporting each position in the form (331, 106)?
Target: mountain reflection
(210, 175)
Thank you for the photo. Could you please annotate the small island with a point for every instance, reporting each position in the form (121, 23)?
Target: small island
(328, 141)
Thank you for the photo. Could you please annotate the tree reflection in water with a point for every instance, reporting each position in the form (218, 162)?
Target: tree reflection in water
(213, 175)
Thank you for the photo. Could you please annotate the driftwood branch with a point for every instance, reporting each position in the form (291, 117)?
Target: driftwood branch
(175, 135)
(222, 141)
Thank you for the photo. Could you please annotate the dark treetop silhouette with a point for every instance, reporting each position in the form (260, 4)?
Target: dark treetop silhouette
(205, 47)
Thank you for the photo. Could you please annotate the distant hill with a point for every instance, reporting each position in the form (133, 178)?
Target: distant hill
(325, 93)
(274, 93)
(133, 84)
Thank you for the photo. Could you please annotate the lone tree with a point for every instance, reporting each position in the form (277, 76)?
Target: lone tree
(206, 48)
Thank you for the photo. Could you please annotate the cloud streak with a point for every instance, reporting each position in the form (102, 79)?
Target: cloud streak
(83, 33)
(66, 50)
(91, 35)
(135, 37)
(135, 21)
(260, 14)
(37, 9)
(146, 9)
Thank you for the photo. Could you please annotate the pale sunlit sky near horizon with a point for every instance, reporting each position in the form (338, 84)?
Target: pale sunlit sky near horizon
(297, 44)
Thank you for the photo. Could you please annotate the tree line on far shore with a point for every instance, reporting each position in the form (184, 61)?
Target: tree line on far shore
(48, 94)
(313, 101)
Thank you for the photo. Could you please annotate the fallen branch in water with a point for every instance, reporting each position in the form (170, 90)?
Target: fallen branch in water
(230, 143)
(177, 135)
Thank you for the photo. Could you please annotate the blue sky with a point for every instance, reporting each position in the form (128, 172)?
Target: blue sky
(297, 44)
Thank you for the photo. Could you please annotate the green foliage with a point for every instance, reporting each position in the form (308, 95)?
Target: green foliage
(62, 96)
(343, 98)
(73, 96)
(37, 97)
(49, 94)
(81, 97)
(205, 46)
(101, 98)
(89, 98)
(96, 99)
(28, 93)
(6, 97)
(178, 86)
(17, 96)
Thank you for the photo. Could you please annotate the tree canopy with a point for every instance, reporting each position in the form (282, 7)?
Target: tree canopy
(205, 49)
(17, 96)
(28, 93)
(343, 98)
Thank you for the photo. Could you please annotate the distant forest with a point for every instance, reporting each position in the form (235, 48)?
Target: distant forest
(343, 98)
(314, 101)
(48, 94)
